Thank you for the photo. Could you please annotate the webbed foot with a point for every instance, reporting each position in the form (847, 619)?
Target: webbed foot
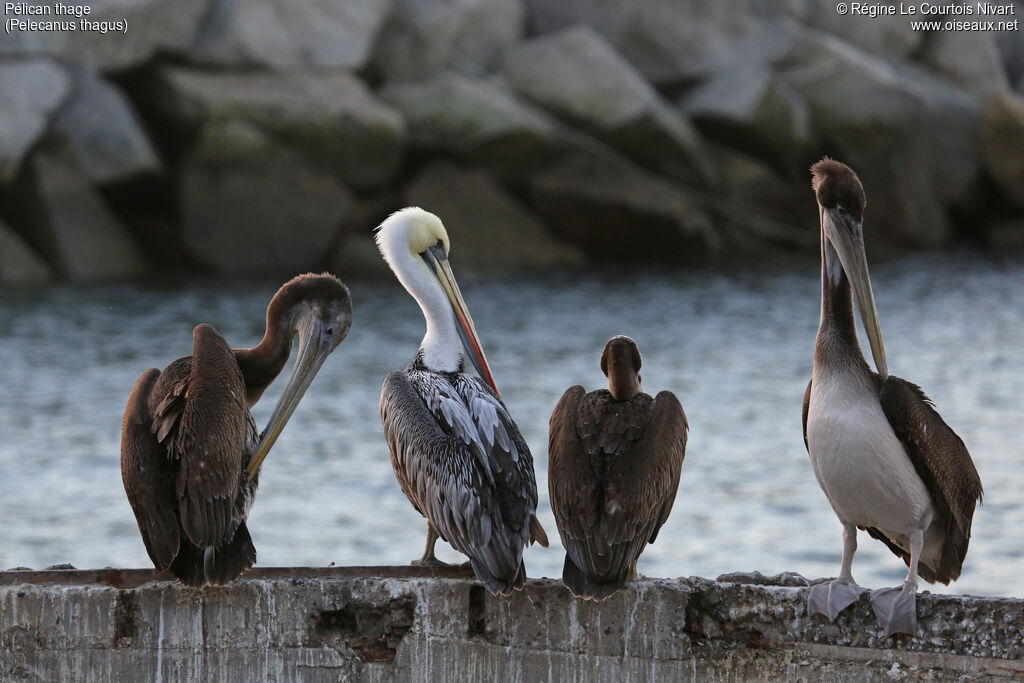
(833, 597)
(896, 609)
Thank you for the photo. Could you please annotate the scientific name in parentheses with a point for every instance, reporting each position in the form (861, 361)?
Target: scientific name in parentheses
(58, 9)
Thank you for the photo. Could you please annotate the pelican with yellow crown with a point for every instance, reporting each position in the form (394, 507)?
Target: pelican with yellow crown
(457, 453)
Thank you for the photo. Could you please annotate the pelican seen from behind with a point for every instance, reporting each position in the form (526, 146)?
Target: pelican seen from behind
(885, 459)
(614, 457)
(457, 453)
(190, 453)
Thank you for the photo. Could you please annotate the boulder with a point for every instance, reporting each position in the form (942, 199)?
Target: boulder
(83, 238)
(884, 35)
(30, 91)
(1002, 144)
(970, 60)
(124, 33)
(477, 120)
(330, 119)
(489, 229)
(913, 139)
(356, 254)
(576, 75)
(1011, 50)
(251, 206)
(669, 46)
(281, 34)
(755, 112)
(760, 206)
(98, 129)
(423, 37)
(19, 264)
(615, 212)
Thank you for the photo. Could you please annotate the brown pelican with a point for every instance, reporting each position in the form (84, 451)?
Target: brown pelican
(457, 453)
(885, 459)
(190, 455)
(614, 457)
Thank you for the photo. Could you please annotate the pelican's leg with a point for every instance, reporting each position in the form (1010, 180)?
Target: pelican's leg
(833, 597)
(896, 608)
(429, 559)
(631, 574)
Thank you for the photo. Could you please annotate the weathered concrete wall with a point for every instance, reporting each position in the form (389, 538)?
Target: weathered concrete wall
(400, 623)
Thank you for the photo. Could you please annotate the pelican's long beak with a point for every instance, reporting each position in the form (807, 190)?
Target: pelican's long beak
(438, 261)
(313, 351)
(847, 236)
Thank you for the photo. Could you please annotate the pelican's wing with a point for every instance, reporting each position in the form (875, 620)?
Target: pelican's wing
(203, 421)
(452, 475)
(624, 460)
(807, 408)
(507, 454)
(944, 465)
(148, 476)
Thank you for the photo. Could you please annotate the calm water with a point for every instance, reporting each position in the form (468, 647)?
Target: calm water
(735, 348)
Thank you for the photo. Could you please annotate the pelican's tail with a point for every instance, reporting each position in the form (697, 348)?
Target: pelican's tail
(223, 564)
(537, 533)
(584, 587)
(188, 564)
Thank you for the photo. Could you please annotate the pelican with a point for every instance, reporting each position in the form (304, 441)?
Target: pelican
(886, 461)
(190, 454)
(457, 454)
(614, 457)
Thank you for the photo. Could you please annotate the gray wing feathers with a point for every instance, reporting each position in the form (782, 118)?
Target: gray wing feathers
(446, 446)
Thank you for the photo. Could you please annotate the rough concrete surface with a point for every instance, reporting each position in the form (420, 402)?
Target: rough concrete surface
(405, 623)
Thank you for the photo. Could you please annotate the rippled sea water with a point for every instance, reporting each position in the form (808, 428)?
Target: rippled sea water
(735, 347)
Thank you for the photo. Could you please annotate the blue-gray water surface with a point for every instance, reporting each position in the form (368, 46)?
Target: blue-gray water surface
(735, 347)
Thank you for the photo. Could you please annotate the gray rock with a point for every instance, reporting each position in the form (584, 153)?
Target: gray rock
(616, 212)
(490, 230)
(971, 60)
(423, 37)
(284, 34)
(100, 131)
(577, 76)
(669, 46)
(136, 30)
(1011, 50)
(478, 120)
(1002, 143)
(886, 35)
(250, 206)
(762, 207)
(19, 264)
(331, 119)
(30, 91)
(752, 110)
(84, 239)
(913, 138)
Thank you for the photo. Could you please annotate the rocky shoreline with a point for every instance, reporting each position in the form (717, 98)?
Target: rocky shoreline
(266, 138)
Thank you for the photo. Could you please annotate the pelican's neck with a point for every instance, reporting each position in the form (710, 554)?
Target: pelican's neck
(261, 364)
(837, 330)
(441, 348)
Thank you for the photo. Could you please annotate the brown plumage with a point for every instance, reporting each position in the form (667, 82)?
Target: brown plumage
(614, 462)
(884, 458)
(188, 435)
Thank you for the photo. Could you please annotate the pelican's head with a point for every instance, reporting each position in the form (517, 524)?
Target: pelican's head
(621, 363)
(415, 244)
(318, 309)
(841, 202)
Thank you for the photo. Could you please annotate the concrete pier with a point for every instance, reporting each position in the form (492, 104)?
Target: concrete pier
(406, 623)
